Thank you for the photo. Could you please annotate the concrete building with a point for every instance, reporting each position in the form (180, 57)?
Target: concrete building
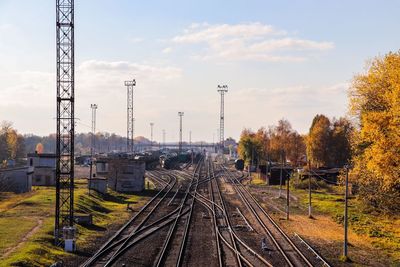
(44, 168)
(102, 167)
(17, 180)
(98, 184)
(126, 175)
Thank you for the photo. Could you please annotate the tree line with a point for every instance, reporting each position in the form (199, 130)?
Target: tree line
(15, 146)
(367, 140)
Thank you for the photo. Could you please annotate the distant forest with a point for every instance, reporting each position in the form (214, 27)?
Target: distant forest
(104, 142)
(15, 146)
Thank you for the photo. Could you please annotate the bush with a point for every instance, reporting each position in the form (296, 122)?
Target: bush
(299, 183)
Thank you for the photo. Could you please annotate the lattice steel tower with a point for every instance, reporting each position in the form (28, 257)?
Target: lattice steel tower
(129, 138)
(180, 114)
(222, 89)
(64, 215)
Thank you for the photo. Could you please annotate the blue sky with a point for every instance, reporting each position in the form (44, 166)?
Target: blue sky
(280, 59)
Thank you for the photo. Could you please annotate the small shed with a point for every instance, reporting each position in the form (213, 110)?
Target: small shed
(98, 184)
(17, 180)
(274, 176)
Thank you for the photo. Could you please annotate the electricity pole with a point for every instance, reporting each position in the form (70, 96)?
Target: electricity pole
(280, 175)
(180, 114)
(65, 58)
(346, 194)
(309, 190)
(151, 135)
(287, 196)
(129, 138)
(222, 89)
(94, 108)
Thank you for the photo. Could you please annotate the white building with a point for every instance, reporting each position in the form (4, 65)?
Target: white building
(44, 168)
(126, 175)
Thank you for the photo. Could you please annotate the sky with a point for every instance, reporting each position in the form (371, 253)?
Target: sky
(280, 59)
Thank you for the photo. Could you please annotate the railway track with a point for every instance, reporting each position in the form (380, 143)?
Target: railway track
(177, 235)
(143, 224)
(291, 254)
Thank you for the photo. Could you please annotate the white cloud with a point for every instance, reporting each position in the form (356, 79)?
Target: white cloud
(251, 41)
(167, 50)
(135, 40)
(18, 87)
(299, 104)
(117, 70)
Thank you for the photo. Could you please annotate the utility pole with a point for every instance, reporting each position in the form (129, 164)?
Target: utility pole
(309, 190)
(92, 145)
(222, 89)
(180, 114)
(65, 58)
(346, 194)
(280, 175)
(151, 135)
(287, 197)
(129, 135)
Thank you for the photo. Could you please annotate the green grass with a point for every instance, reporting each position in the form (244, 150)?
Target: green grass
(19, 215)
(384, 230)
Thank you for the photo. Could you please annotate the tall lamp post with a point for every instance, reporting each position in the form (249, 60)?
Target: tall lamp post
(151, 135)
(94, 108)
(180, 114)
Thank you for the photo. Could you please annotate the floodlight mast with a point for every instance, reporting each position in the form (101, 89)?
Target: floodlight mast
(180, 114)
(222, 89)
(129, 135)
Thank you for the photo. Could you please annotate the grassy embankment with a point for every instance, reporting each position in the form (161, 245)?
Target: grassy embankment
(27, 221)
(378, 230)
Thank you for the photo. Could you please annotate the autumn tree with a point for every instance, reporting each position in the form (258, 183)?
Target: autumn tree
(279, 142)
(250, 146)
(296, 149)
(340, 142)
(375, 105)
(318, 141)
(11, 143)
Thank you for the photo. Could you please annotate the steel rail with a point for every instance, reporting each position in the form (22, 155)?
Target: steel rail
(286, 237)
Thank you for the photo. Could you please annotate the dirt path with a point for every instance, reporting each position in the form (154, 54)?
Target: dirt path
(23, 240)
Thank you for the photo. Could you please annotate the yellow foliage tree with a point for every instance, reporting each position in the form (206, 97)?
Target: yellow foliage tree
(375, 103)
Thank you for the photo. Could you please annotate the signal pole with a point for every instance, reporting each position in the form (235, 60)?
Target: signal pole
(129, 136)
(151, 135)
(180, 114)
(222, 89)
(94, 108)
(65, 58)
